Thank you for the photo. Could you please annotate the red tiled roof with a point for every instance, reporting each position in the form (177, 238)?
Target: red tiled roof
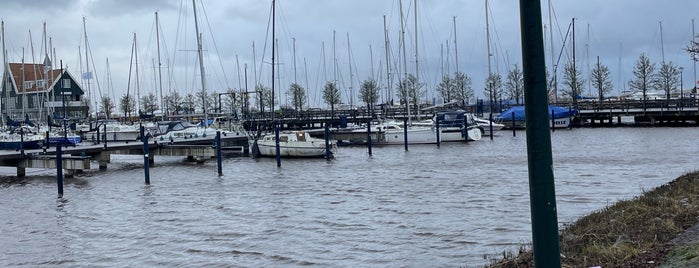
(32, 72)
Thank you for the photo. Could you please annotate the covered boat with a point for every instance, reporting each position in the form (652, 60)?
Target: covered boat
(560, 117)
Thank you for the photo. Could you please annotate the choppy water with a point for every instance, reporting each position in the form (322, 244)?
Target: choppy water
(457, 205)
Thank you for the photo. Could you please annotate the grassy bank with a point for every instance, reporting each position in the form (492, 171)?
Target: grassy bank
(632, 233)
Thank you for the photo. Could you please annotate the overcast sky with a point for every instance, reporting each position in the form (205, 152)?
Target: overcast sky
(617, 31)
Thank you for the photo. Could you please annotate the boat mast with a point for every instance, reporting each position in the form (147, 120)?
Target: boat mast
(349, 60)
(694, 39)
(6, 75)
(490, 71)
(575, 91)
(201, 65)
(271, 109)
(417, 73)
(160, 74)
(554, 83)
(87, 65)
(456, 54)
(388, 62)
(405, 62)
(138, 84)
(31, 44)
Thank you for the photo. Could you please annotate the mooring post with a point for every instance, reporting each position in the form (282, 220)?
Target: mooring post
(570, 118)
(327, 142)
(405, 132)
(276, 142)
(542, 193)
(59, 169)
(553, 121)
(368, 136)
(514, 131)
(218, 153)
(98, 135)
(47, 142)
(105, 136)
(490, 118)
(436, 128)
(466, 127)
(21, 141)
(146, 163)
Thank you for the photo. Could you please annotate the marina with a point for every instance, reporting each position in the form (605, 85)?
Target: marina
(394, 207)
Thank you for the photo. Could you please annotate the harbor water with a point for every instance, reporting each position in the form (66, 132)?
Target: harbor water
(448, 206)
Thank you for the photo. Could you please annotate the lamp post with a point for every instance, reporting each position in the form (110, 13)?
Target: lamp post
(681, 88)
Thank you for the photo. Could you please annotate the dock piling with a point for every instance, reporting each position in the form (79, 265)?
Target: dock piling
(59, 169)
(368, 136)
(218, 153)
(146, 162)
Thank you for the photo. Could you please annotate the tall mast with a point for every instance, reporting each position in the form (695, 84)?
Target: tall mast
(554, 83)
(662, 47)
(456, 54)
(575, 72)
(694, 83)
(294, 56)
(138, 85)
(160, 74)
(271, 109)
(87, 64)
(201, 65)
(490, 71)
(24, 90)
(389, 97)
(6, 75)
(405, 62)
(417, 73)
(31, 44)
(349, 60)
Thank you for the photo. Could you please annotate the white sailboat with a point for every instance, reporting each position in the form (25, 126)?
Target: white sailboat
(293, 143)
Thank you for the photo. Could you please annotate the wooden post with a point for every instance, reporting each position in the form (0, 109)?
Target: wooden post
(436, 127)
(59, 169)
(327, 142)
(218, 153)
(368, 136)
(146, 162)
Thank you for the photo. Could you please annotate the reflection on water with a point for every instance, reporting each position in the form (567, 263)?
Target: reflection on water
(449, 206)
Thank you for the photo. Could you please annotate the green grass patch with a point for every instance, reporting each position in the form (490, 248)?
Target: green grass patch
(630, 233)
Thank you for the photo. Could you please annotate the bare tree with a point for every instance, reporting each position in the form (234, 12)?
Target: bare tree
(265, 96)
(298, 96)
(668, 78)
(601, 80)
(515, 84)
(572, 79)
(369, 92)
(331, 95)
(127, 104)
(493, 87)
(462, 90)
(107, 106)
(149, 103)
(445, 88)
(409, 89)
(644, 77)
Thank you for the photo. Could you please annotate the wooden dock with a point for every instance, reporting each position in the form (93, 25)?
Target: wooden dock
(79, 157)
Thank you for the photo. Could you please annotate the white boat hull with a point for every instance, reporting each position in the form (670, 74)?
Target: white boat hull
(291, 144)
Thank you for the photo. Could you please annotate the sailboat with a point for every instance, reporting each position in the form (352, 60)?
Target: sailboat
(291, 143)
(180, 130)
(17, 136)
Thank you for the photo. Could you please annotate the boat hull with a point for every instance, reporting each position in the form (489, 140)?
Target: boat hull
(287, 149)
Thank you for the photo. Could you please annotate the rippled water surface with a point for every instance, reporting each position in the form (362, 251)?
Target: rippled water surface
(457, 205)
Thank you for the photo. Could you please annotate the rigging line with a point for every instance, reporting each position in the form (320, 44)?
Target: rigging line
(94, 69)
(560, 54)
(264, 47)
(218, 55)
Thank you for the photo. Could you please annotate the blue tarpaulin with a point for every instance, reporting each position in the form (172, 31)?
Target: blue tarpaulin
(558, 112)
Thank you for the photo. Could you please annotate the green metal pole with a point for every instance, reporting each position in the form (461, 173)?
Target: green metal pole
(542, 193)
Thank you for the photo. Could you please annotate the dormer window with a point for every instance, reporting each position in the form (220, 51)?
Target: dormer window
(27, 85)
(40, 84)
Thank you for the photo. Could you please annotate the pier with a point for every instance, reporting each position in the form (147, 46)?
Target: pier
(74, 159)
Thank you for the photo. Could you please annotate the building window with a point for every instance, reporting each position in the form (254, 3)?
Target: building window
(27, 85)
(65, 83)
(40, 83)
